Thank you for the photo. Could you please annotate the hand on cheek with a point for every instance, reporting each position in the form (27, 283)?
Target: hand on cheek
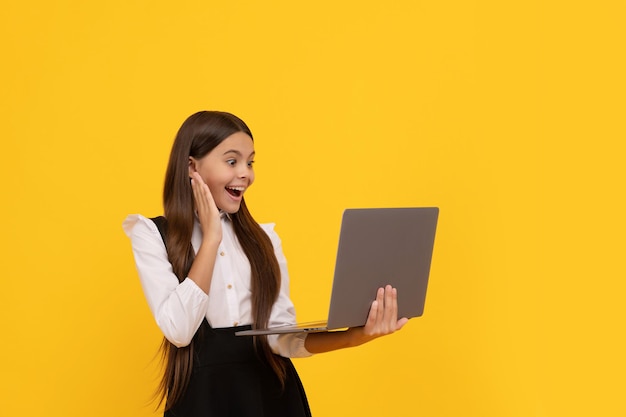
(207, 211)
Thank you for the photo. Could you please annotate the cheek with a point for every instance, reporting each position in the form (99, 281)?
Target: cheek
(215, 188)
(212, 179)
(211, 182)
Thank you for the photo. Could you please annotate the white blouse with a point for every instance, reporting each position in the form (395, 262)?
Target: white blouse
(180, 307)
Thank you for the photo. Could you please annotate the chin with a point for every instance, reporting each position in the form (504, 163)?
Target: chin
(230, 208)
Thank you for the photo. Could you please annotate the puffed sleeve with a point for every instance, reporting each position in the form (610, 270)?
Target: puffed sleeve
(289, 345)
(178, 308)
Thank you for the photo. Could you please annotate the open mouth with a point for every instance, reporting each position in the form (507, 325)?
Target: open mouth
(235, 191)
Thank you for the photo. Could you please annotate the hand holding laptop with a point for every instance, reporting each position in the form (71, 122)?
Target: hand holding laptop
(383, 316)
(382, 320)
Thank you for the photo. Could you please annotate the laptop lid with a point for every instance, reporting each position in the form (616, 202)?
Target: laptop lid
(380, 246)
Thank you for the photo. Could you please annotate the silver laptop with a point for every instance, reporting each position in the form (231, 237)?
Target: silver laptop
(377, 246)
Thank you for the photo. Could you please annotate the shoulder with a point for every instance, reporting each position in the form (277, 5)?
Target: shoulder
(268, 228)
(136, 224)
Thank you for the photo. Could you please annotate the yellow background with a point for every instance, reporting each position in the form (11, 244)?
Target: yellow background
(509, 116)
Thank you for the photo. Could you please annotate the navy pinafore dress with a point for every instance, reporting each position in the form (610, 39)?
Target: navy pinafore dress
(230, 378)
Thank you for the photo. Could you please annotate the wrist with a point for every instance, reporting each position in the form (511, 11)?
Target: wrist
(209, 243)
(356, 336)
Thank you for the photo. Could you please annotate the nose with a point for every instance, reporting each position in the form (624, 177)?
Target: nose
(244, 171)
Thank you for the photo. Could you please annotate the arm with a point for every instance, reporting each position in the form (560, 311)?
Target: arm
(178, 307)
(382, 320)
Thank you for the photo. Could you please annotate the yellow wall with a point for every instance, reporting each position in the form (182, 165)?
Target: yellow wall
(509, 116)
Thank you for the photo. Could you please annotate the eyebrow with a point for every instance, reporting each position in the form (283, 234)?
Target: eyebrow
(235, 151)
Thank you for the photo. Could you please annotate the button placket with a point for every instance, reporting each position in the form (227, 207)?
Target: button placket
(231, 294)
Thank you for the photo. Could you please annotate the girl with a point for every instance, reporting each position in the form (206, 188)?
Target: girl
(208, 270)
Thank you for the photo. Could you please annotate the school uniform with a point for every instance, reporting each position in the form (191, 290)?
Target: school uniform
(229, 378)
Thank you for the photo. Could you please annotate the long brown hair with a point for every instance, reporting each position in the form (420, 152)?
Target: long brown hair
(197, 136)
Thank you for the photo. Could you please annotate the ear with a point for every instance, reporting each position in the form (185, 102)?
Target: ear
(192, 166)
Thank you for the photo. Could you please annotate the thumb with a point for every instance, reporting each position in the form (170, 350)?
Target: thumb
(401, 323)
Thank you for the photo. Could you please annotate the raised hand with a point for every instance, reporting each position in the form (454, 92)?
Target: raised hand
(207, 211)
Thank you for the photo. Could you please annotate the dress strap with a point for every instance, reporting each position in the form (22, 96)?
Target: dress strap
(161, 224)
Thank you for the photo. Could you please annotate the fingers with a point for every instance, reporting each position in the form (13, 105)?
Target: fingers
(202, 196)
(391, 303)
(207, 211)
(201, 192)
(383, 316)
(376, 311)
(388, 308)
(391, 308)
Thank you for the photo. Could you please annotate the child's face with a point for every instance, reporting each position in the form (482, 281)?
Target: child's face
(227, 170)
